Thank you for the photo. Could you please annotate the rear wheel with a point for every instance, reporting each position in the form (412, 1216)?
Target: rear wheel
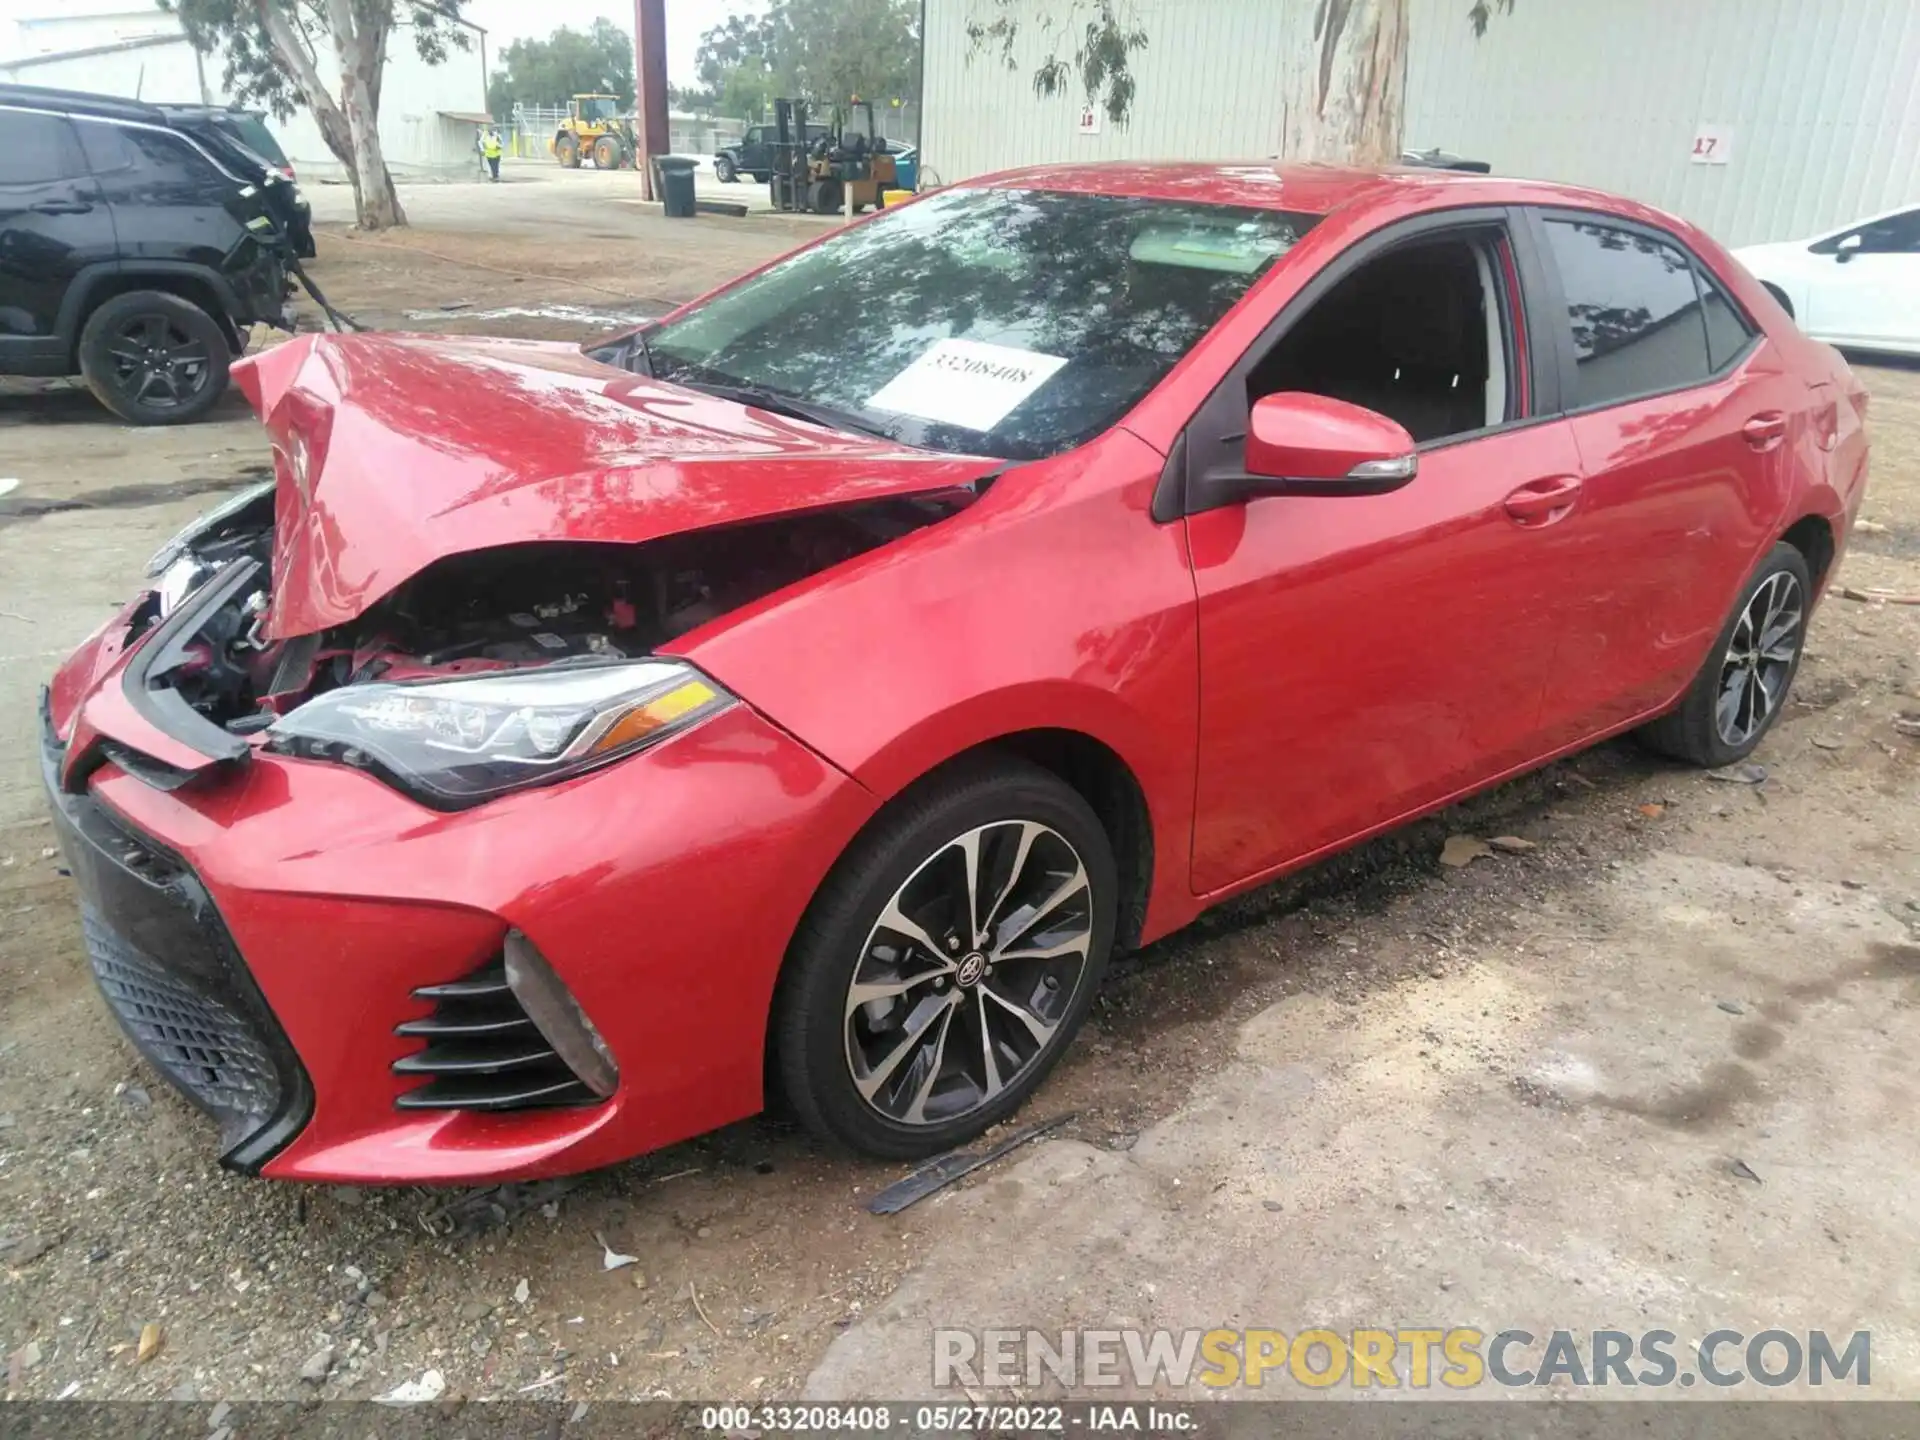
(1779, 295)
(947, 963)
(153, 358)
(723, 169)
(1740, 691)
(566, 149)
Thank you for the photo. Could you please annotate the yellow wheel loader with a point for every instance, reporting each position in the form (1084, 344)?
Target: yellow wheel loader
(595, 130)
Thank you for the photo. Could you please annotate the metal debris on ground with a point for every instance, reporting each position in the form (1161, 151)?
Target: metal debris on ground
(1744, 1171)
(1512, 844)
(1747, 774)
(611, 1259)
(943, 1170)
(430, 1386)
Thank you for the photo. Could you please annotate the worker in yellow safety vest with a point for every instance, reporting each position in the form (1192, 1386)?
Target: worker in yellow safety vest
(490, 148)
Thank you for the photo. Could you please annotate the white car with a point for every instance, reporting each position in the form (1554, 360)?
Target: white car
(1857, 286)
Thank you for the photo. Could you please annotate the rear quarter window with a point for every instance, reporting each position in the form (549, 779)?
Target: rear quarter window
(1634, 310)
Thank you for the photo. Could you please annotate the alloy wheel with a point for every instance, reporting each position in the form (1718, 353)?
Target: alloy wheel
(965, 978)
(1759, 659)
(157, 364)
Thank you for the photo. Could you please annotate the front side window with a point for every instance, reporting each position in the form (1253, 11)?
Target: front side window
(1634, 310)
(1418, 334)
(1892, 235)
(36, 149)
(1015, 323)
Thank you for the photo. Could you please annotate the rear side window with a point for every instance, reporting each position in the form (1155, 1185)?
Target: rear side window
(158, 161)
(36, 149)
(1634, 310)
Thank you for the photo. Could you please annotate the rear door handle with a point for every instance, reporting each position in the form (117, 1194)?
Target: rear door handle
(61, 207)
(1541, 502)
(1765, 430)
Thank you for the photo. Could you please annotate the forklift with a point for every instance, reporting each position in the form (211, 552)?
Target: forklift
(848, 168)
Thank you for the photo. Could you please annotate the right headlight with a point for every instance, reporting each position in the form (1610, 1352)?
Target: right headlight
(454, 743)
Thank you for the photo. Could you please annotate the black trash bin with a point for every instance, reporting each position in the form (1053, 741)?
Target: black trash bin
(676, 185)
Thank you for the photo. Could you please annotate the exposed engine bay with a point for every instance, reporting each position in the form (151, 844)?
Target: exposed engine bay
(534, 605)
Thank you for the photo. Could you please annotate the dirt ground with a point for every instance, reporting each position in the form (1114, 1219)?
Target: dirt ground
(1513, 1093)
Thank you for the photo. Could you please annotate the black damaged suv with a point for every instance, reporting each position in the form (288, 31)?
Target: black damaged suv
(133, 253)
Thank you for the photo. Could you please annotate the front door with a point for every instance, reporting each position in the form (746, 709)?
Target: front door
(1866, 285)
(53, 224)
(1362, 657)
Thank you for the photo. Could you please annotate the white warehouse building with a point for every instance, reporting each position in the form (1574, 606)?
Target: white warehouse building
(1757, 119)
(122, 47)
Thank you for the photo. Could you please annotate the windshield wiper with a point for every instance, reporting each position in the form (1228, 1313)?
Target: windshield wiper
(780, 403)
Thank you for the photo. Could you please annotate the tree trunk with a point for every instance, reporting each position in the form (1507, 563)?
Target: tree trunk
(1344, 84)
(290, 47)
(360, 40)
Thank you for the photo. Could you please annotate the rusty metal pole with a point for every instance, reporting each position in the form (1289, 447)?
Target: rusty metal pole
(650, 87)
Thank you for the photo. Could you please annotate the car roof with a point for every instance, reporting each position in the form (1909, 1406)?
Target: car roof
(1307, 189)
(81, 102)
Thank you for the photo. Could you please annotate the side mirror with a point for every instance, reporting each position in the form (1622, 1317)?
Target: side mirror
(1844, 251)
(1301, 444)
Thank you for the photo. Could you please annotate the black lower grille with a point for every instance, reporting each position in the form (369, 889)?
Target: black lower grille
(204, 1047)
(482, 1051)
(173, 977)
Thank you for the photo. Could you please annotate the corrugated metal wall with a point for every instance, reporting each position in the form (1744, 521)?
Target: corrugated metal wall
(1821, 98)
(1207, 88)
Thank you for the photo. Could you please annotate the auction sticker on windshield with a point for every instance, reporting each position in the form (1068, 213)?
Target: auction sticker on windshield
(968, 383)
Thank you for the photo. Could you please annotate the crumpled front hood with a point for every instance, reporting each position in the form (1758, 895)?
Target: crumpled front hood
(394, 451)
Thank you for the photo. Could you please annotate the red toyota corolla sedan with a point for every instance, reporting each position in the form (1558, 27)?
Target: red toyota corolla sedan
(812, 689)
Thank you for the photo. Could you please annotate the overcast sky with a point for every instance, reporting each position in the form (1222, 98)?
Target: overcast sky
(687, 20)
(505, 21)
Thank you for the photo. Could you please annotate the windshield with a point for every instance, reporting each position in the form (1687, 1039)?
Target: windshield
(1012, 323)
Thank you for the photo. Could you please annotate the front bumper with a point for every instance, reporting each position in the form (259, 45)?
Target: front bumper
(167, 967)
(662, 890)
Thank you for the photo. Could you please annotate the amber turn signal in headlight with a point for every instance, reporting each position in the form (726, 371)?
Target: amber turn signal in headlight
(458, 742)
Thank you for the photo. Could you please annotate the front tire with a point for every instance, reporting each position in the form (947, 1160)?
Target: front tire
(947, 962)
(1741, 690)
(724, 170)
(154, 358)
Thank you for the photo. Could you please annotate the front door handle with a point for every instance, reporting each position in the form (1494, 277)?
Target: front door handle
(1765, 430)
(1541, 502)
(61, 207)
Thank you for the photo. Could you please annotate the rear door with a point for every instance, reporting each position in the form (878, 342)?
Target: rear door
(1685, 417)
(1866, 285)
(53, 224)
